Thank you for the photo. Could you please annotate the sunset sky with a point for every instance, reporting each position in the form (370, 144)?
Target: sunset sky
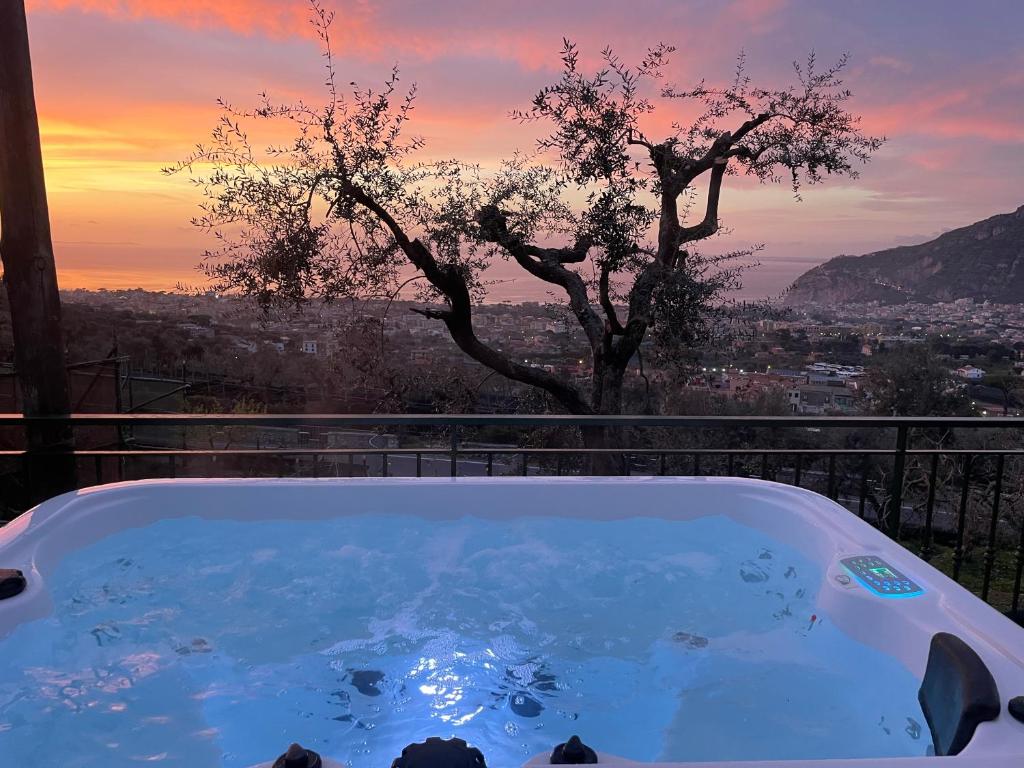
(125, 87)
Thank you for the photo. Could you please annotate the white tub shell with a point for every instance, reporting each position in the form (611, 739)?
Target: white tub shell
(819, 528)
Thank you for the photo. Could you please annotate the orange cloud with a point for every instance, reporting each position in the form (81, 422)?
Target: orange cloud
(378, 32)
(245, 16)
(355, 28)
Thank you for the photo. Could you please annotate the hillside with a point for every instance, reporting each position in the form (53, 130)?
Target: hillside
(982, 261)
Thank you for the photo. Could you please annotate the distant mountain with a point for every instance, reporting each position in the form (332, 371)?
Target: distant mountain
(982, 261)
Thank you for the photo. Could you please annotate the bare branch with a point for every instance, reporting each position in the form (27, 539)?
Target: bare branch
(433, 314)
(614, 326)
(547, 265)
(709, 225)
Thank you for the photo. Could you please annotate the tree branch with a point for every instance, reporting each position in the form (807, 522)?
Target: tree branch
(634, 139)
(722, 147)
(451, 282)
(573, 255)
(547, 264)
(433, 314)
(709, 225)
(751, 124)
(606, 303)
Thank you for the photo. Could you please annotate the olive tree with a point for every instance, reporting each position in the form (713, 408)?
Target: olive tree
(606, 214)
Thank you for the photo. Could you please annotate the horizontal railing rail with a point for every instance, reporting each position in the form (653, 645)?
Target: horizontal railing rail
(537, 420)
(949, 488)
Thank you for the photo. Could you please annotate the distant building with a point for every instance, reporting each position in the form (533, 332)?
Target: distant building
(310, 347)
(814, 399)
(790, 374)
(970, 373)
(243, 344)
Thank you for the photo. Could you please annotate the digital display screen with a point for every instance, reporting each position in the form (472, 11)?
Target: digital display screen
(879, 577)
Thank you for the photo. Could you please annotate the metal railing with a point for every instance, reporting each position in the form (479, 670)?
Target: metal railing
(949, 489)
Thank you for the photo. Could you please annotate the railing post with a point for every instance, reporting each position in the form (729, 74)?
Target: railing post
(455, 450)
(929, 512)
(1018, 569)
(961, 518)
(993, 529)
(863, 495)
(891, 519)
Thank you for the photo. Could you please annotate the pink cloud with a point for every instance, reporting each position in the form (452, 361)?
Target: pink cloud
(891, 62)
(949, 112)
(934, 160)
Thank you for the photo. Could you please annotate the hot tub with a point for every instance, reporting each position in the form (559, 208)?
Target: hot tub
(663, 620)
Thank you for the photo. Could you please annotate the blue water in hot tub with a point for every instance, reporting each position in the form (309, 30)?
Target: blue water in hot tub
(217, 643)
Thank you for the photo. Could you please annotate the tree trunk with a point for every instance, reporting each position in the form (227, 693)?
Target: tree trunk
(603, 464)
(607, 394)
(29, 270)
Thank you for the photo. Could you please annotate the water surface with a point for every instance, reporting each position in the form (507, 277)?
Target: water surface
(205, 643)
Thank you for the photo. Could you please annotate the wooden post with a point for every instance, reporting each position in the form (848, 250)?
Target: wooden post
(29, 271)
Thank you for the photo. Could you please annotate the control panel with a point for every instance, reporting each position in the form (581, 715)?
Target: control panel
(881, 578)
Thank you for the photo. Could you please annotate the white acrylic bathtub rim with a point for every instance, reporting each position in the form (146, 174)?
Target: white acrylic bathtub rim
(821, 528)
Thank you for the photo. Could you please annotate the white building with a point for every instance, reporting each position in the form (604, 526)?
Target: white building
(970, 373)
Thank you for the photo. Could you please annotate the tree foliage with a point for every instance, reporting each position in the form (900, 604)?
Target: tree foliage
(913, 381)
